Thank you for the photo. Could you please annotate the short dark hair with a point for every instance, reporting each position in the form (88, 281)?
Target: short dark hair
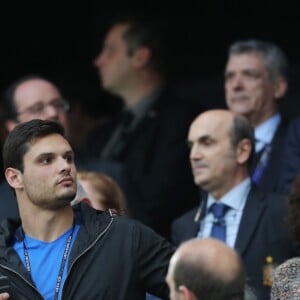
(206, 285)
(18, 140)
(8, 96)
(147, 32)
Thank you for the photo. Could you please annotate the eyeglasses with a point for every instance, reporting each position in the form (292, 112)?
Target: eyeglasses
(40, 107)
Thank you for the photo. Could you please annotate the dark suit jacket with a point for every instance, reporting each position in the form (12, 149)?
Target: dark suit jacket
(157, 178)
(261, 233)
(291, 156)
(270, 180)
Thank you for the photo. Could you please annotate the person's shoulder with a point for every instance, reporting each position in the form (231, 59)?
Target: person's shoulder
(294, 124)
(4, 186)
(291, 262)
(289, 268)
(188, 216)
(258, 192)
(128, 223)
(275, 202)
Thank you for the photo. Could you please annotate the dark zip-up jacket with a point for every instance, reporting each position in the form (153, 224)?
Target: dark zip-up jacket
(112, 258)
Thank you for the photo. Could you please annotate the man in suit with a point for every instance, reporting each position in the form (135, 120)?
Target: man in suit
(147, 140)
(221, 144)
(255, 81)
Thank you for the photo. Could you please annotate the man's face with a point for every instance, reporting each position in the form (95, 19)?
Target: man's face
(38, 99)
(49, 177)
(248, 88)
(114, 64)
(212, 157)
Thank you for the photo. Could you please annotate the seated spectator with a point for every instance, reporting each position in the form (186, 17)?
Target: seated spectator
(206, 269)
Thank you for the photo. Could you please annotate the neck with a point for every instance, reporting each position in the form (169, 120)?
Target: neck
(258, 120)
(48, 225)
(227, 187)
(133, 95)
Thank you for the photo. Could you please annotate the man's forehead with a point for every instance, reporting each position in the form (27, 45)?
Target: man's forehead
(209, 126)
(50, 143)
(36, 90)
(251, 60)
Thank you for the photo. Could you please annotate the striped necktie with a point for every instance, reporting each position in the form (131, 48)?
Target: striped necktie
(219, 225)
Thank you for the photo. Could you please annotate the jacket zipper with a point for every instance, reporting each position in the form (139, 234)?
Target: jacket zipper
(92, 245)
(23, 278)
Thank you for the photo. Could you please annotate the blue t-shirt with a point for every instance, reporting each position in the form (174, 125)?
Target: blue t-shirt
(45, 260)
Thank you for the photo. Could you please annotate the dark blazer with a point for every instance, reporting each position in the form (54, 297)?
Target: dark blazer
(261, 233)
(157, 178)
(270, 179)
(291, 156)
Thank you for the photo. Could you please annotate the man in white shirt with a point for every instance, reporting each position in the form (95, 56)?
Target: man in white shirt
(221, 144)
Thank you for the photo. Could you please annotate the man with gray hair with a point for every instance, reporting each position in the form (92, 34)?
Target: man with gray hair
(255, 81)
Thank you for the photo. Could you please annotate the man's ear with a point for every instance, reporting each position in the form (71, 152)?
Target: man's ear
(243, 151)
(10, 125)
(141, 57)
(13, 177)
(185, 293)
(281, 86)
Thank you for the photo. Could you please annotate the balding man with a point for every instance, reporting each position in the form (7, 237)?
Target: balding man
(206, 269)
(233, 209)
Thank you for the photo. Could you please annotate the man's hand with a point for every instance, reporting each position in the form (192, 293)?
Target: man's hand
(4, 296)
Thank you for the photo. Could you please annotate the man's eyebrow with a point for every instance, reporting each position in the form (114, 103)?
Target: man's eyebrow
(200, 139)
(204, 138)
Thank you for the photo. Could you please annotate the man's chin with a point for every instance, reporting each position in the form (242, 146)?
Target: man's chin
(200, 181)
(67, 198)
(239, 106)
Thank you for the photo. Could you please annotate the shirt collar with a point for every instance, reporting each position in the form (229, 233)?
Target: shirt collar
(266, 131)
(235, 198)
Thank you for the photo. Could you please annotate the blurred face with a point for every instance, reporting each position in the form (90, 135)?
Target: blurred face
(114, 64)
(49, 177)
(248, 88)
(38, 99)
(212, 158)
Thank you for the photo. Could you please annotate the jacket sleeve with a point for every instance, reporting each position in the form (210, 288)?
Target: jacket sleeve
(153, 254)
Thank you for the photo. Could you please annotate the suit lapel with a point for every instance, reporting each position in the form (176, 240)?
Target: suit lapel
(199, 213)
(253, 211)
(268, 181)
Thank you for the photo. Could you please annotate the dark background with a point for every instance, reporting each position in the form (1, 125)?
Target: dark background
(61, 41)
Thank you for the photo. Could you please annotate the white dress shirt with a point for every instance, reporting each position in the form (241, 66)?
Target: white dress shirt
(236, 200)
(265, 132)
